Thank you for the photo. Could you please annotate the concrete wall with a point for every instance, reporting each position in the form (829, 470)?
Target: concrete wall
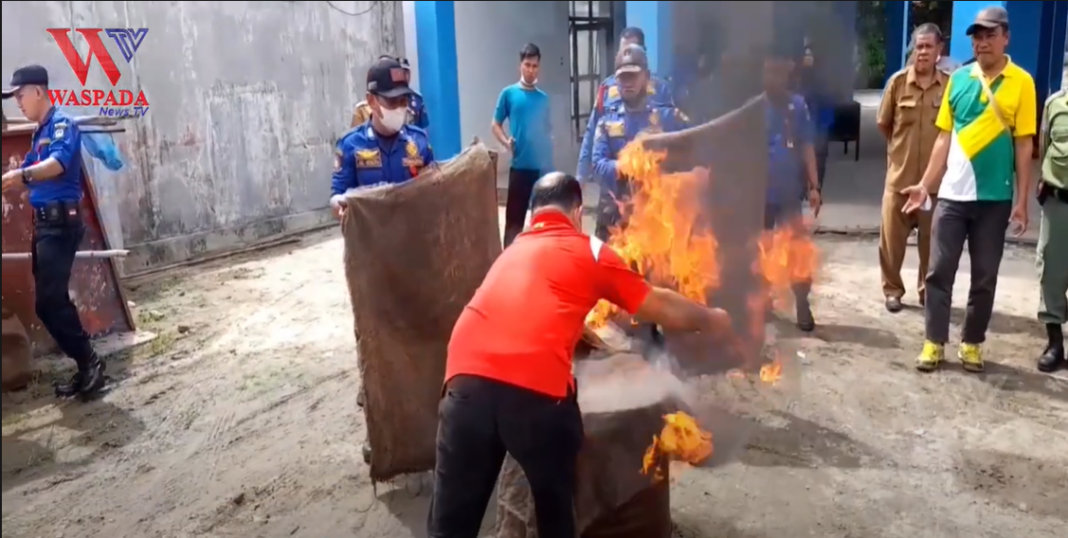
(488, 38)
(247, 99)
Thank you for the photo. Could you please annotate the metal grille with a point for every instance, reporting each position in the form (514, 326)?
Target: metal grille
(591, 28)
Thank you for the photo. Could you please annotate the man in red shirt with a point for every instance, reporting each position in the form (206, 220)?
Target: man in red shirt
(508, 380)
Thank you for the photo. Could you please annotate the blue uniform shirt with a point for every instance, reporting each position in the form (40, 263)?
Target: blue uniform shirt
(418, 107)
(789, 131)
(608, 97)
(59, 138)
(363, 158)
(619, 126)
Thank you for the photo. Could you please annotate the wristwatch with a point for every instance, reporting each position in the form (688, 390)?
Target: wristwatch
(26, 177)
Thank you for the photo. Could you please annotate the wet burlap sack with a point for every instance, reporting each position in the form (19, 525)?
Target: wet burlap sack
(623, 403)
(17, 353)
(414, 255)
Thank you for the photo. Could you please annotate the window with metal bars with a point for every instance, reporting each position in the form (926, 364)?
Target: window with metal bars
(592, 29)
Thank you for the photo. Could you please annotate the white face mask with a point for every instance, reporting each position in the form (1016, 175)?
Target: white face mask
(394, 119)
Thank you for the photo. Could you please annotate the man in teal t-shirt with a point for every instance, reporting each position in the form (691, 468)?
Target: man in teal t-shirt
(526, 108)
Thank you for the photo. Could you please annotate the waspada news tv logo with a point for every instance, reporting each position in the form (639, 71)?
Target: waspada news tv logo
(113, 102)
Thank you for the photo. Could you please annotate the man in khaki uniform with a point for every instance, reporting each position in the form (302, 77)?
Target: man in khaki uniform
(1053, 235)
(907, 119)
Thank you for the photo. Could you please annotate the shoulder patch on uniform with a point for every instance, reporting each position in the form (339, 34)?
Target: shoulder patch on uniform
(613, 92)
(595, 247)
(59, 130)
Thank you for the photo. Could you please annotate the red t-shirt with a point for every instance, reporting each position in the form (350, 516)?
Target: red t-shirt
(523, 323)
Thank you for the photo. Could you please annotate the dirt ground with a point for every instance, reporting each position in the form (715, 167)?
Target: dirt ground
(241, 420)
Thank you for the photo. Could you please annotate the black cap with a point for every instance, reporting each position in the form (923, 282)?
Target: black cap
(989, 18)
(632, 59)
(31, 75)
(388, 78)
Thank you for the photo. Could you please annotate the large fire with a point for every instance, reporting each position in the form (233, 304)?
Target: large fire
(662, 238)
(666, 239)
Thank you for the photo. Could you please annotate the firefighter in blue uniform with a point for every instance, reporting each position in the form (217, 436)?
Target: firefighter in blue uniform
(793, 175)
(635, 112)
(52, 172)
(385, 148)
(609, 97)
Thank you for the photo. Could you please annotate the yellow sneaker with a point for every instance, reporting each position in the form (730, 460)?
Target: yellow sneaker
(931, 356)
(971, 356)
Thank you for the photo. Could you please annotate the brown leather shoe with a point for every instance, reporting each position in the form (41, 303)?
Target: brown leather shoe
(893, 305)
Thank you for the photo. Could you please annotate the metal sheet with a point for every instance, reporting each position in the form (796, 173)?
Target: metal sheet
(94, 283)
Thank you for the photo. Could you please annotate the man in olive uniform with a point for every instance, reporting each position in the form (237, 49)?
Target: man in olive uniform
(1053, 235)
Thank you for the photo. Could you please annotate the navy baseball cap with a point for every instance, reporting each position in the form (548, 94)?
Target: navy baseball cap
(388, 78)
(31, 75)
(632, 60)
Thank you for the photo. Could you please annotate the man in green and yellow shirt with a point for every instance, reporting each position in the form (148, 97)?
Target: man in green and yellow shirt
(988, 119)
(1053, 235)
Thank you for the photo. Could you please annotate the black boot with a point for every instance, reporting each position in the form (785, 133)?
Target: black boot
(93, 380)
(70, 389)
(1053, 357)
(805, 321)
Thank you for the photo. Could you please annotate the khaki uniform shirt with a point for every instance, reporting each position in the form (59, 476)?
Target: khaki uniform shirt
(1055, 140)
(910, 112)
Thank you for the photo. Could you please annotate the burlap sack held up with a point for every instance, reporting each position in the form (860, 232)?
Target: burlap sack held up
(414, 255)
(623, 403)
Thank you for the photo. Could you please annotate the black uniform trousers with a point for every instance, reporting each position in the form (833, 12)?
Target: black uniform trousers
(520, 187)
(479, 421)
(56, 237)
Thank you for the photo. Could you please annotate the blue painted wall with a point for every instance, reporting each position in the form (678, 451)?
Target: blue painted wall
(1054, 20)
(435, 23)
(1025, 26)
(964, 12)
(654, 18)
(897, 25)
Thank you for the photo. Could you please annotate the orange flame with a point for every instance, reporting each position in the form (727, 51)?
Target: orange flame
(680, 440)
(772, 372)
(661, 238)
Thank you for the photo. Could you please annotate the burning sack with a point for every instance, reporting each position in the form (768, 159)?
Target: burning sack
(17, 353)
(414, 255)
(623, 403)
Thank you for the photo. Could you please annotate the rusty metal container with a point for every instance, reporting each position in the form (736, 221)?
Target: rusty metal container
(94, 286)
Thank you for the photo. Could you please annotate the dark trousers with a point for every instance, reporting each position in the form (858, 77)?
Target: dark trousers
(54, 247)
(822, 148)
(781, 215)
(520, 185)
(982, 226)
(480, 420)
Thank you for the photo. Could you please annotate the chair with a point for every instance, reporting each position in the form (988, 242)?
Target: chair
(846, 127)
